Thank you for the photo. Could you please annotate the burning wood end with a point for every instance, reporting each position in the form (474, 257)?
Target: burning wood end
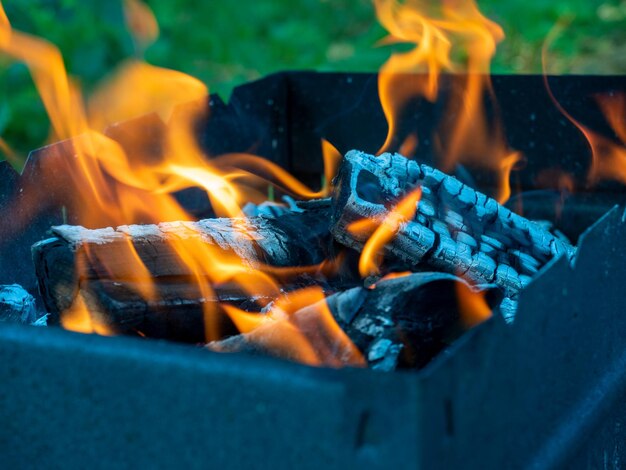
(456, 229)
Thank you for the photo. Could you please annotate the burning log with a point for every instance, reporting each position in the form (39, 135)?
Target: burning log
(398, 323)
(179, 311)
(75, 256)
(456, 229)
(17, 305)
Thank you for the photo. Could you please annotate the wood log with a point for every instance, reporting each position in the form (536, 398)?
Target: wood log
(16, 305)
(178, 313)
(293, 239)
(399, 323)
(456, 229)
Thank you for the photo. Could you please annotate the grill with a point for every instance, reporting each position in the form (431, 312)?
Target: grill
(544, 391)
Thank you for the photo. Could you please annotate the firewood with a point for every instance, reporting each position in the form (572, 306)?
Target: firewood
(398, 323)
(16, 305)
(293, 239)
(456, 229)
(177, 313)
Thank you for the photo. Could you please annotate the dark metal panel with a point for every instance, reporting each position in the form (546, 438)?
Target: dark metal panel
(532, 394)
(72, 400)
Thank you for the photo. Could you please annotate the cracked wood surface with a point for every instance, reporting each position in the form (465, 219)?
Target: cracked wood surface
(456, 229)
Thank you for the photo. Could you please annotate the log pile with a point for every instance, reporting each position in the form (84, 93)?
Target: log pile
(457, 239)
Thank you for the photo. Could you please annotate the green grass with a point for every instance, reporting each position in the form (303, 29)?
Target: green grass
(225, 43)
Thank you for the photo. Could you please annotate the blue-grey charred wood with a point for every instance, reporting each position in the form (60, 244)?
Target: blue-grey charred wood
(293, 239)
(16, 305)
(400, 323)
(456, 229)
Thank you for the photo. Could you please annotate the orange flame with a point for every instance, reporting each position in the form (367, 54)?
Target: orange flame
(301, 327)
(371, 256)
(608, 157)
(119, 188)
(332, 158)
(472, 306)
(441, 32)
(141, 23)
(78, 318)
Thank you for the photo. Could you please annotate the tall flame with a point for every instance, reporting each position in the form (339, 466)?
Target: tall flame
(119, 188)
(441, 33)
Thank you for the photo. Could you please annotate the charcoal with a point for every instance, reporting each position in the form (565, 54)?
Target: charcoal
(180, 311)
(273, 209)
(456, 229)
(17, 305)
(397, 323)
(293, 239)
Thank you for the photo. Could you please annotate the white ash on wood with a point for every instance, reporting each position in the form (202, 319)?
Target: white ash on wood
(456, 229)
(17, 305)
(293, 239)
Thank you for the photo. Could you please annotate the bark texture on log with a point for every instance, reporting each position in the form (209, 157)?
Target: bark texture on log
(456, 229)
(293, 239)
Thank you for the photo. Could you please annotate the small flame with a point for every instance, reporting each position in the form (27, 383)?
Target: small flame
(78, 318)
(395, 275)
(301, 327)
(141, 23)
(332, 158)
(383, 232)
(473, 306)
(608, 157)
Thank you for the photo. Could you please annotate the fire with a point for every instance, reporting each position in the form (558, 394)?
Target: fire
(141, 23)
(300, 326)
(120, 188)
(608, 156)
(473, 307)
(371, 256)
(332, 158)
(441, 32)
(78, 318)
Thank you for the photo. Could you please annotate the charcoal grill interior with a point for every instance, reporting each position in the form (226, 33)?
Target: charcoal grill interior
(545, 391)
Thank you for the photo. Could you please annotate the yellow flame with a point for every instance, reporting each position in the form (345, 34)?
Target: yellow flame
(448, 36)
(119, 188)
(301, 327)
(78, 318)
(473, 306)
(371, 255)
(608, 157)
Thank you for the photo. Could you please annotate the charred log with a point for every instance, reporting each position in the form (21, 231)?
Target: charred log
(17, 305)
(456, 229)
(180, 311)
(399, 323)
(293, 239)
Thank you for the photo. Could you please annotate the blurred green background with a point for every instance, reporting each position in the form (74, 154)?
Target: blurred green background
(225, 43)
